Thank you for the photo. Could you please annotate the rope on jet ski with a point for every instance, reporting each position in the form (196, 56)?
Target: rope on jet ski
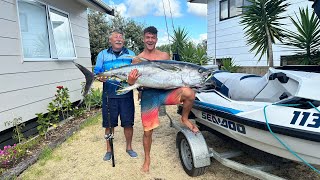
(313, 106)
(283, 143)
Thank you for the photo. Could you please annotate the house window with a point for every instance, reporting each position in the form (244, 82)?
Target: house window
(45, 32)
(230, 8)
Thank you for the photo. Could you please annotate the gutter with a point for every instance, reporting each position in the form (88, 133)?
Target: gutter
(198, 1)
(99, 3)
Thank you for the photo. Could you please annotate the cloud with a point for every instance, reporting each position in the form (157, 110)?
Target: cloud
(173, 5)
(138, 8)
(163, 37)
(122, 9)
(200, 38)
(119, 8)
(197, 9)
(162, 40)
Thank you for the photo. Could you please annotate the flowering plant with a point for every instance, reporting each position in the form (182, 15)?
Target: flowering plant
(8, 155)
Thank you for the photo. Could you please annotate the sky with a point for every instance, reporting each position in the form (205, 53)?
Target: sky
(191, 16)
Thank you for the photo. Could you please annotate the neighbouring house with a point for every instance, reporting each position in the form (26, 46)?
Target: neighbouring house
(226, 36)
(39, 41)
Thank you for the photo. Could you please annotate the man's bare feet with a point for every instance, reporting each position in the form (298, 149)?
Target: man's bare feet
(194, 129)
(190, 125)
(145, 167)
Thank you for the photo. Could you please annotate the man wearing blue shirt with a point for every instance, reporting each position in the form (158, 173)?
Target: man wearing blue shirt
(123, 105)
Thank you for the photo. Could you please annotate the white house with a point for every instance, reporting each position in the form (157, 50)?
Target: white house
(39, 41)
(226, 36)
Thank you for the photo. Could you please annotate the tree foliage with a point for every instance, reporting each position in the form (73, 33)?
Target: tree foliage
(228, 64)
(261, 20)
(306, 39)
(188, 51)
(98, 33)
(180, 39)
(165, 48)
(100, 28)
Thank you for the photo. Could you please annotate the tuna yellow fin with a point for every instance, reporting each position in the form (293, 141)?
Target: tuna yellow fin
(127, 89)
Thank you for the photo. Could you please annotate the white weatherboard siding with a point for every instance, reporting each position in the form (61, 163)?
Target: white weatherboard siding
(26, 88)
(226, 37)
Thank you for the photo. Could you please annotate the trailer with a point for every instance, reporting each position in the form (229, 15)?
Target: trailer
(195, 155)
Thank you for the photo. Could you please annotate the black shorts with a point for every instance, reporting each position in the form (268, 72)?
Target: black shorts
(118, 106)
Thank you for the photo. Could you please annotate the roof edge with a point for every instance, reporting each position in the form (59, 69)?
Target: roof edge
(104, 6)
(198, 1)
(98, 5)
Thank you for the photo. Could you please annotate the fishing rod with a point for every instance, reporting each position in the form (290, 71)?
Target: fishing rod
(90, 77)
(109, 136)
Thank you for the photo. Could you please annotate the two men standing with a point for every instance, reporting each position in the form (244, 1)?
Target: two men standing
(151, 99)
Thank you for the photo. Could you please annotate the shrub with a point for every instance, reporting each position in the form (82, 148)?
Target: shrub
(305, 41)
(61, 103)
(229, 65)
(93, 99)
(60, 106)
(18, 125)
(78, 111)
(44, 123)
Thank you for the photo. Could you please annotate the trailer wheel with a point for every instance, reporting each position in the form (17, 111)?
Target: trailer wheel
(186, 159)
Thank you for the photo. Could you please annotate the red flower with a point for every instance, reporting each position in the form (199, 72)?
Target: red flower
(59, 87)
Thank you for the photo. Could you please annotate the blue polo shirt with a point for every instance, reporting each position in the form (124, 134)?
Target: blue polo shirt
(107, 60)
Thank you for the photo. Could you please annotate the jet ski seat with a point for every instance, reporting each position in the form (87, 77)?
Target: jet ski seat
(239, 86)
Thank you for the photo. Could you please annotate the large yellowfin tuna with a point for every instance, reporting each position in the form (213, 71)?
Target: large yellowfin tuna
(164, 74)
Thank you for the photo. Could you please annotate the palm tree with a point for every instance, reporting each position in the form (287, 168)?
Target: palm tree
(262, 26)
(180, 38)
(188, 51)
(306, 40)
(228, 64)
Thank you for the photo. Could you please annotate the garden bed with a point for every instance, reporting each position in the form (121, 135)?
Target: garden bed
(38, 144)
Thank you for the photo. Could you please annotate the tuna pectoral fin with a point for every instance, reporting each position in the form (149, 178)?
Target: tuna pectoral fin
(89, 79)
(127, 89)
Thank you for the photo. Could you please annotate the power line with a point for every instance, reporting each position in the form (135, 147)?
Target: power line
(171, 16)
(165, 18)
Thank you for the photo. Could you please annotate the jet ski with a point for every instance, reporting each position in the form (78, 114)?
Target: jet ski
(277, 113)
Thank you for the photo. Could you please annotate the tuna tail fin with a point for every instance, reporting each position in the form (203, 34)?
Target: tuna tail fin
(89, 80)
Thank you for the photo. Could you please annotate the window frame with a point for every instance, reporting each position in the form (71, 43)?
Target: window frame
(71, 33)
(51, 40)
(229, 17)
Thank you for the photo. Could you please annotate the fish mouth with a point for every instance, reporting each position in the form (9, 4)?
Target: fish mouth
(209, 76)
